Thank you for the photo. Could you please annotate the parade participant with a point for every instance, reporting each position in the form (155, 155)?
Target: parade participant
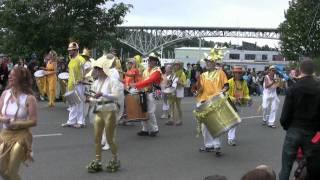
(166, 74)
(151, 77)
(300, 118)
(270, 97)
(51, 77)
(42, 82)
(212, 82)
(179, 82)
(133, 74)
(239, 94)
(139, 65)
(76, 116)
(117, 62)
(18, 113)
(62, 68)
(107, 93)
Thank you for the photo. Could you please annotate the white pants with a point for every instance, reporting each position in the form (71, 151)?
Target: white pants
(266, 101)
(151, 124)
(209, 141)
(165, 104)
(76, 114)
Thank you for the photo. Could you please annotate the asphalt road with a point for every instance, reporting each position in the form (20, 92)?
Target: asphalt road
(62, 153)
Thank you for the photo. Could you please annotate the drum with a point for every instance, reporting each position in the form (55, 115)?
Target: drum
(63, 76)
(134, 108)
(39, 74)
(72, 98)
(218, 115)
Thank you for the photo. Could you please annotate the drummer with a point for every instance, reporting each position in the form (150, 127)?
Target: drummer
(166, 74)
(151, 76)
(76, 116)
(212, 83)
(239, 94)
(132, 75)
(51, 74)
(108, 91)
(179, 81)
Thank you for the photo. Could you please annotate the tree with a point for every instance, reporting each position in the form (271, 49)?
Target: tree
(300, 32)
(30, 26)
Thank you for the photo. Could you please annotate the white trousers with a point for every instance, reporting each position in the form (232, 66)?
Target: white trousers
(151, 124)
(76, 112)
(266, 101)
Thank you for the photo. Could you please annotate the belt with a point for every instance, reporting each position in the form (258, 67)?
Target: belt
(104, 102)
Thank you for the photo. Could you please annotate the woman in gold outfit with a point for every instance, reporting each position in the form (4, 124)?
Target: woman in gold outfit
(51, 74)
(108, 91)
(18, 113)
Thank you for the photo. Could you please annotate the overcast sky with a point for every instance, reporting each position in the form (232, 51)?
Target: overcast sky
(217, 13)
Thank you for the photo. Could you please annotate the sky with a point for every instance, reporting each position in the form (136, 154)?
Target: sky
(211, 13)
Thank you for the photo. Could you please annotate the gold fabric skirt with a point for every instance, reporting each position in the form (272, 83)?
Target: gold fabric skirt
(10, 137)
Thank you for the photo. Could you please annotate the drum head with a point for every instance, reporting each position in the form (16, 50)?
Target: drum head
(63, 76)
(39, 73)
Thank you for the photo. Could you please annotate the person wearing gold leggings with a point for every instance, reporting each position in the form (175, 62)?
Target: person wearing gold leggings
(179, 81)
(18, 113)
(108, 91)
(51, 74)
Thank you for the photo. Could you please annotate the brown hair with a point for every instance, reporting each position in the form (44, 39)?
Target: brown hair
(24, 79)
(307, 67)
(258, 174)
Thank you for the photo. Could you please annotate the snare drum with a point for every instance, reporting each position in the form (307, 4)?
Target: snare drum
(218, 115)
(134, 108)
(63, 76)
(72, 98)
(39, 74)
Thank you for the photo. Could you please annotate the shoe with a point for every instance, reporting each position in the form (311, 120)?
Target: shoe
(66, 125)
(178, 123)
(164, 116)
(206, 149)
(272, 126)
(113, 166)
(169, 123)
(264, 123)
(143, 133)
(41, 98)
(94, 166)
(106, 147)
(231, 142)
(153, 134)
(78, 126)
(218, 152)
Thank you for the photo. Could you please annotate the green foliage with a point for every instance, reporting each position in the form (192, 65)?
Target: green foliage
(300, 32)
(28, 26)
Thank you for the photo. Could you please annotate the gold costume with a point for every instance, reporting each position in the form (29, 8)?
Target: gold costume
(42, 85)
(51, 82)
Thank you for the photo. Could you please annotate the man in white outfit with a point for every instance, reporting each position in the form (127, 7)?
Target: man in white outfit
(76, 76)
(270, 97)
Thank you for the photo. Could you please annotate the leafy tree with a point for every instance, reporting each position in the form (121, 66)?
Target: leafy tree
(300, 32)
(28, 26)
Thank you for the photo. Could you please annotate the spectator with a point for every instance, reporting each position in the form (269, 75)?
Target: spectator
(261, 172)
(300, 118)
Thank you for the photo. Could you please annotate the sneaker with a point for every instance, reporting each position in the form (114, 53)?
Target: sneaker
(169, 123)
(231, 142)
(66, 125)
(264, 123)
(164, 116)
(143, 133)
(106, 147)
(153, 134)
(218, 152)
(206, 149)
(272, 126)
(178, 123)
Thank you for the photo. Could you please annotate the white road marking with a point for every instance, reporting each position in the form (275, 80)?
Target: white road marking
(47, 135)
(251, 117)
